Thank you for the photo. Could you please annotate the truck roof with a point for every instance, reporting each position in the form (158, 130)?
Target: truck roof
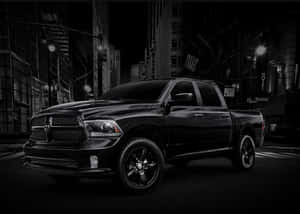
(184, 78)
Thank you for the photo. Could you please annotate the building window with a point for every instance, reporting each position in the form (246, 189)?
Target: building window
(176, 27)
(175, 10)
(179, 60)
(17, 91)
(174, 44)
(173, 61)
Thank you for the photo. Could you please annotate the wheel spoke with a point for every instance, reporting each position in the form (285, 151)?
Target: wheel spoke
(131, 166)
(133, 157)
(131, 172)
(143, 154)
(152, 164)
(247, 161)
(143, 177)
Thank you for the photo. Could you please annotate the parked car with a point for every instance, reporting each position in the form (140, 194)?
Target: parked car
(136, 128)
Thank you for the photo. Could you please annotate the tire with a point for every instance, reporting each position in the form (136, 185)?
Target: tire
(244, 153)
(141, 165)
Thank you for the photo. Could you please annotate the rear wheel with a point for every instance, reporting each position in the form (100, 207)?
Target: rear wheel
(140, 165)
(244, 153)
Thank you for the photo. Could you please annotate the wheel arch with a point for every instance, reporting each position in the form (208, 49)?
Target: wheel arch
(248, 130)
(151, 132)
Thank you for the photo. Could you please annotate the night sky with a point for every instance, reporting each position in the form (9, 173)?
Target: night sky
(128, 31)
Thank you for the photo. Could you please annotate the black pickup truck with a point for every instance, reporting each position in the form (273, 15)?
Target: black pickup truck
(135, 129)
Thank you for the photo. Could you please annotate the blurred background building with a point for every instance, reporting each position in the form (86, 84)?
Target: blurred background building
(163, 54)
(44, 49)
(250, 50)
(51, 53)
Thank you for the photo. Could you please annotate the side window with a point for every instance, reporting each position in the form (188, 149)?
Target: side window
(209, 95)
(184, 87)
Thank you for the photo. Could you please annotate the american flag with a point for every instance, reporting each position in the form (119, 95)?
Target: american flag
(191, 62)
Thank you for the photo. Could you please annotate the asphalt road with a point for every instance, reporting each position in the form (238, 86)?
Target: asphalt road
(210, 185)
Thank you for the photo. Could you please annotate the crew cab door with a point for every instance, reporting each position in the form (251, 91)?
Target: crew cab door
(204, 124)
(183, 124)
(215, 124)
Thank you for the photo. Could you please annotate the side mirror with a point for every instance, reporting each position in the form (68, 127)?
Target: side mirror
(182, 98)
(179, 99)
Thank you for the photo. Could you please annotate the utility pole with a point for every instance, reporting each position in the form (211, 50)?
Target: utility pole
(95, 50)
(49, 79)
(58, 93)
(51, 50)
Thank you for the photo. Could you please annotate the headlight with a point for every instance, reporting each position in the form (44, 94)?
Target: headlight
(102, 128)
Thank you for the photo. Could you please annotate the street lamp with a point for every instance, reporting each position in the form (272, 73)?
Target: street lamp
(87, 88)
(51, 49)
(100, 47)
(260, 50)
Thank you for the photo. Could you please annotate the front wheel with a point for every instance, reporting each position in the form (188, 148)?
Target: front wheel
(244, 153)
(140, 165)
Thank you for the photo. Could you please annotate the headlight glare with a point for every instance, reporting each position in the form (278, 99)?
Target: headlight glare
(102, 128)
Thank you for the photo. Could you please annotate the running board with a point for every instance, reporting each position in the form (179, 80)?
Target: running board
(199, 153)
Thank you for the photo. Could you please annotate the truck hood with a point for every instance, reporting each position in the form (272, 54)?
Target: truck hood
(93, 109)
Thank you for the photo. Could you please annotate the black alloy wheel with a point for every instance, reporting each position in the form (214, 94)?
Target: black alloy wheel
(248, 153)
(140, 165)
(244, 157)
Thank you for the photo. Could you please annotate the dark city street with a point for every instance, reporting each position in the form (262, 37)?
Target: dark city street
(203, 186)
(149, 106)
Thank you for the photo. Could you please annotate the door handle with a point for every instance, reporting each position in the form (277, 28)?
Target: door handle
(198, 115)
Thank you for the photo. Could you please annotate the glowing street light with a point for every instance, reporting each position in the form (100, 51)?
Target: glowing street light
(87, 88)
(51, 48)
(260, 50)
(100, 47)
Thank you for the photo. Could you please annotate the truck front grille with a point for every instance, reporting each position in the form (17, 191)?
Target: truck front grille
(38, 134)
(65, 121)
(57, 129)
(39, 121)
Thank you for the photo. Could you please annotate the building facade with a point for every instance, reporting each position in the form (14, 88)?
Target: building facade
(163, 54)
(15, 76)
(223, 42)
(28, 69)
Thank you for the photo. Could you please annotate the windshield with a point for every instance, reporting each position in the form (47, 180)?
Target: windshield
(145, 91)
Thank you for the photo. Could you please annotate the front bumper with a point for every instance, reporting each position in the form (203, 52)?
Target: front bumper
(101, 172)
(75, 161)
